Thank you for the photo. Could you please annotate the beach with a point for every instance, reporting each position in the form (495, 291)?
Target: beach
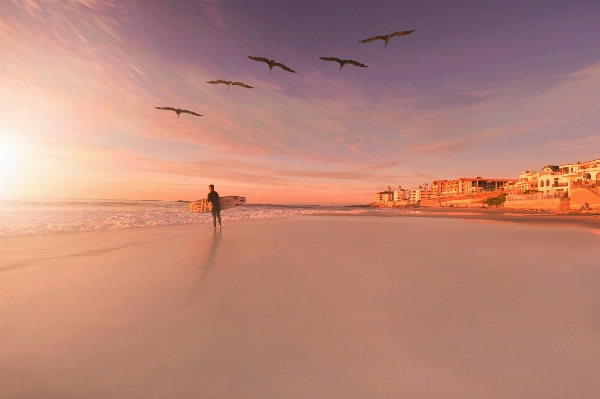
(347, 305)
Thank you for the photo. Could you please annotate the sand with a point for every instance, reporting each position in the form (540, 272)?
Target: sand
(307, 307)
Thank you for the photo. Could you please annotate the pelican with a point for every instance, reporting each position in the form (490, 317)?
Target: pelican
(343, 62)
(229, 83)
(179, 111)
(271, 63)
(387, 37)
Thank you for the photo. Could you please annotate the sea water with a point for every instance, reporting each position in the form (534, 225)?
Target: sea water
(48, 216)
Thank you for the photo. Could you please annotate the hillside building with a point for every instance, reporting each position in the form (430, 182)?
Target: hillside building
(528, 182)
(384, 196)
(464, 186)
(419, 194)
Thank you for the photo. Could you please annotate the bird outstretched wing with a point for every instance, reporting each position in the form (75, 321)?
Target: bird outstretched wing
(243, 85)
(260, 59)
(214, 82)
(190, 112)
(402, 33)
(280, 65)
(372, 39)
(166, 108)
(355, 63)
(331, 59)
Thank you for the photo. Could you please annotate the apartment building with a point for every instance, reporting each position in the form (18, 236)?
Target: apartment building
(383, 196)
(528, 181)
(463, 185)
(551, 181)
(419, 194)
(558, 180)
(511, 187)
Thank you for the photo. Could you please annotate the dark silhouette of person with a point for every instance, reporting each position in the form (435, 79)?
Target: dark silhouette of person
(213, 199)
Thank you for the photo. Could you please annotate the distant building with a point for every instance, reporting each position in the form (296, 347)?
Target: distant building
(382, 196)
(528, 182)
(463, 186)
(403, 195)
(385, 196)
(552, 181)
(511, 187)
(558, 180)
(419, 194)
(555, 181)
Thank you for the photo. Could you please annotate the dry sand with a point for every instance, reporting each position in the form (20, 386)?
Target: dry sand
(309, 307)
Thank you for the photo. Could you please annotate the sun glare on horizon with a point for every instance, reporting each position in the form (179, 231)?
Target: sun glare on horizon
(13, 163)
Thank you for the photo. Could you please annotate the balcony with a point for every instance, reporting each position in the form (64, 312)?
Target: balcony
(534, 196)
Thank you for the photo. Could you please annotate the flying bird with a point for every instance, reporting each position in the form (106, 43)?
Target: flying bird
(387, 37)
(229, 84)
(179, 111)
(272, 63)
(343, 62)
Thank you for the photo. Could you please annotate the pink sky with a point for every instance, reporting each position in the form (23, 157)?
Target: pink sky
(80, 81)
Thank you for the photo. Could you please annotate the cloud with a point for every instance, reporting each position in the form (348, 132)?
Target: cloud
(213, 9)
(587, 143)
(75, 75)
(255, 171)
(316, 115)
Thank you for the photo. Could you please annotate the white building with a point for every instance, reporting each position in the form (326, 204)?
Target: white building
(419, 194)
(528, 181)
(556, 181)
(384, 196)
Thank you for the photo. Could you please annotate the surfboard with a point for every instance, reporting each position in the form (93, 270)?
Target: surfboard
(201, 206)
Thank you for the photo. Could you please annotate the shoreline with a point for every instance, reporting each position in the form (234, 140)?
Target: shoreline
(588, 219)
(495, 215)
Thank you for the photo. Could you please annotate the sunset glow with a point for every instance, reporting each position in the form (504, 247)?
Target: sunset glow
(253, 199)
(475, 91)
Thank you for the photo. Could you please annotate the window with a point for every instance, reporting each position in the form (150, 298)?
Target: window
(542, 183)
(547, 182)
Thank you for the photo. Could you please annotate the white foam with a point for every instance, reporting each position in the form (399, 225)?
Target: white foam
(27, 217)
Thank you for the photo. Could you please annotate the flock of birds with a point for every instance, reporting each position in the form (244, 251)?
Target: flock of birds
(272, 64)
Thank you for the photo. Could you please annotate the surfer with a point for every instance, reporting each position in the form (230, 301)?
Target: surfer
(213, 199)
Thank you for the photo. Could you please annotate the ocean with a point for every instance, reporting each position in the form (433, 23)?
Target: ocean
(51, 215)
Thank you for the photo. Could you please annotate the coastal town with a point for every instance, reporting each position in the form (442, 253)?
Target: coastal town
(556, 188)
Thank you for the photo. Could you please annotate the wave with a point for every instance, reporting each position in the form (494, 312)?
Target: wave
(51, 216)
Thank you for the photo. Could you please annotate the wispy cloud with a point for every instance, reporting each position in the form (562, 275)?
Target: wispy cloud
(587, 143)
(213, 9)
(77, 79)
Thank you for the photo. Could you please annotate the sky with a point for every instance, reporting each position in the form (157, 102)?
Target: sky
(480, 88)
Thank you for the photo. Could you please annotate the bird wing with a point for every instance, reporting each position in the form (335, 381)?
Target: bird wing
(214, 82)
(331, 59)
(356, 63)
(166, 108)
(261, 59)
(402, 33)
(190, 112)
(243, 85)
(372, 39)
(280, 65)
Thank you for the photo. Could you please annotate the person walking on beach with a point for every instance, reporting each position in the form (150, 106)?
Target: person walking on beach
(213, 199)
